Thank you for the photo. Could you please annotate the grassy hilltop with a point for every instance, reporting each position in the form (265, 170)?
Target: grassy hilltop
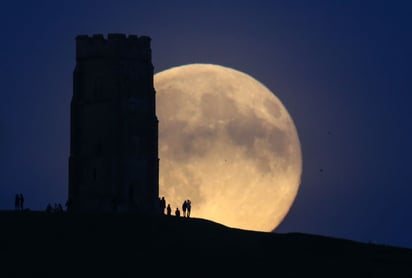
(40, 244)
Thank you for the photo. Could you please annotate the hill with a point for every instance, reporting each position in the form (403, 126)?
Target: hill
(40, 244)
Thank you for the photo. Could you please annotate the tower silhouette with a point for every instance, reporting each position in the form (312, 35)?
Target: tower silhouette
(113, 163)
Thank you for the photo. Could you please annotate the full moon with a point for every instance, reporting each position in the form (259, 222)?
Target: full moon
(228, 144)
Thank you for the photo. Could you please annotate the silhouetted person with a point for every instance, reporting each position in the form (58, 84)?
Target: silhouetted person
(188, 207)
(184, 207)
(169, 209)
(162, 205)
(177, 212)
(159, 205)
(21, 201)
(49, 208)
(17, 202)
(68, 204)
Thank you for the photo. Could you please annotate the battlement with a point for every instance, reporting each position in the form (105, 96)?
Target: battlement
(116, 45)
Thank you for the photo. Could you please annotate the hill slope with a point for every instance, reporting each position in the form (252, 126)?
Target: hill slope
(39, 244)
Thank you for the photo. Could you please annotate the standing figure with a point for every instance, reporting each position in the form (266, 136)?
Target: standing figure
(177, 212)
(169, 209)
(188, 207)
(162, 205)
(69, 204)
(21, 202)
(184, 207)
(17, 202)
(49, 208)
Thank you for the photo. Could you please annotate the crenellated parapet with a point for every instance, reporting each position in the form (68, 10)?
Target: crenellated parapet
(119, 46)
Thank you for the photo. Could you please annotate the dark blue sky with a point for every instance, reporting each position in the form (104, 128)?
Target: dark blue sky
(342, 70)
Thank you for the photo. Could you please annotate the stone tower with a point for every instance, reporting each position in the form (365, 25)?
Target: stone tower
(113, 164)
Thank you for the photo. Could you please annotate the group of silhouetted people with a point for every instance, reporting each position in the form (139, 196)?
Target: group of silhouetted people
(186, 207)
(19, 202)
(19, 205)
(167, 209)
(56, 208)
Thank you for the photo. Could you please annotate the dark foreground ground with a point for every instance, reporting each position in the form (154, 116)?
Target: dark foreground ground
(40, 244)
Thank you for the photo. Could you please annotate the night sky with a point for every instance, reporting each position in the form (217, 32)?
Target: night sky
(342, 71)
